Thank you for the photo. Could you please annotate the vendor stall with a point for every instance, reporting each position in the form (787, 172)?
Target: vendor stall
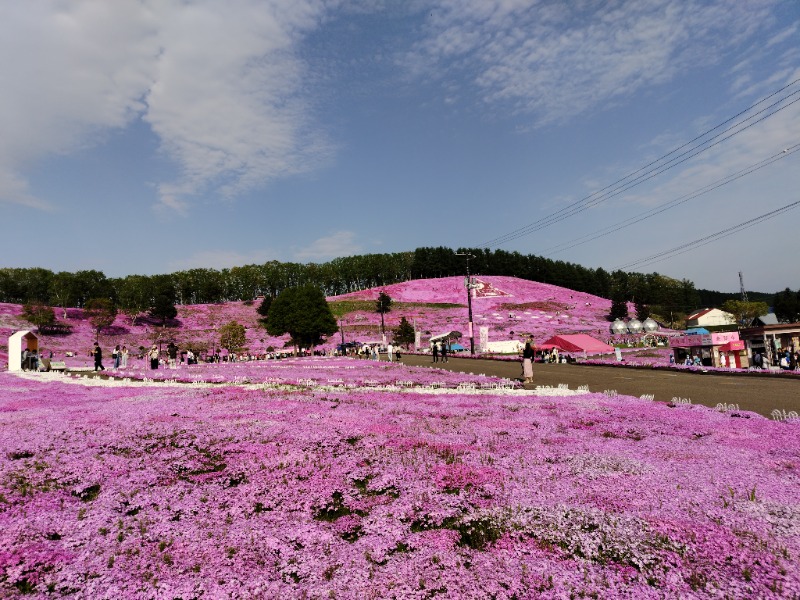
(723, 349)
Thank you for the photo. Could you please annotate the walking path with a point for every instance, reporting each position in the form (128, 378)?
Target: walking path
(760, 394)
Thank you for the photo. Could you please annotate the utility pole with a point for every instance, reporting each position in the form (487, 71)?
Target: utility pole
(469, 285)
(741, 287)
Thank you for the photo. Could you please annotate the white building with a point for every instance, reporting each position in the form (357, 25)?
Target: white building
(710, 317)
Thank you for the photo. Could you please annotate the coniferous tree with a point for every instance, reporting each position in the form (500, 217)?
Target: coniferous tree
(619, 305)
(383, 305)
(404, 334)
(263, 308)
(787, 306)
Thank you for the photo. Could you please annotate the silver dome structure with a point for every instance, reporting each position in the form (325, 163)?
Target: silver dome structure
(650, 325)
(619, 327)
(634, 326)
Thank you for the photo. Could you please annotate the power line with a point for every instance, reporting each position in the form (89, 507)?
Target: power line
(683, 248)
(673, 203)
(572, 211)
(657, 166)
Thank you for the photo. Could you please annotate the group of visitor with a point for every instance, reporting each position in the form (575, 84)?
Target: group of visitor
(440, 349)
(32, 361)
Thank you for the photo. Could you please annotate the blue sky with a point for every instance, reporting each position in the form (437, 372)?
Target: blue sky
(152, 136)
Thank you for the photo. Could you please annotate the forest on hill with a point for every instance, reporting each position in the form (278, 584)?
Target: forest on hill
(663, 294)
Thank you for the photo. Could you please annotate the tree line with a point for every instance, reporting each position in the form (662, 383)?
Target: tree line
(140, 293)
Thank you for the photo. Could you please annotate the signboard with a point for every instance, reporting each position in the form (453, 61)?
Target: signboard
(618, 352)
(417, 340)
(484, 338)
(484, 289)
(706, 339)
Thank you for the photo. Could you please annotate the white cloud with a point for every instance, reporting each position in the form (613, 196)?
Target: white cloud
(69, 71)
(340, 243)
(219, 83)
(554, 60)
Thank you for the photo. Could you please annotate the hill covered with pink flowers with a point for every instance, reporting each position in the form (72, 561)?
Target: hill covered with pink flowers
(510, 308)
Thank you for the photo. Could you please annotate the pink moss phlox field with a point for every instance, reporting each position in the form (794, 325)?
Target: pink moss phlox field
(524, 308)
(436, 305)
(315, 371)
(165, 491)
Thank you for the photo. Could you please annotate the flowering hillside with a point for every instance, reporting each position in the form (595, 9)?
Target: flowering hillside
(510, 308)
(503, 304)
(324, 479)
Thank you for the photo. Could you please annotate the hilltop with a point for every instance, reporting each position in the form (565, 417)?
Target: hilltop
(510, 307)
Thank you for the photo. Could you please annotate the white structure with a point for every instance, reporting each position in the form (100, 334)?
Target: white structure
(649, 325)
(635, 326)
(19, 341)
(504, 347)
(618, 327)
(709, 317)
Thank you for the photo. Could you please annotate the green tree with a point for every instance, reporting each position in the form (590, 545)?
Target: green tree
(232, 336)
(745, 312)
(163, 306)
(134, 295)
(404, 334)
(263, 308)
(62, 291)
(642, 310)
(787, 306)
(90, 284)
(303, 313)
(38, 314)
(619, 305)
(383, 305)
(101, 313)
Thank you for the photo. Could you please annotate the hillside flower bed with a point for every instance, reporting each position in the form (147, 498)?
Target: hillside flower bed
(239, 490)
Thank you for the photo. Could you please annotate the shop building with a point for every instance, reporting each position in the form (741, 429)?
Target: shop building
(722, 349)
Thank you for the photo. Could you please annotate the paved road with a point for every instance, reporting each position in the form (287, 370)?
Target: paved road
(761, 394)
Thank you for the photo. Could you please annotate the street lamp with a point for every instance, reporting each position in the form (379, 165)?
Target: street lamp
(470, 286)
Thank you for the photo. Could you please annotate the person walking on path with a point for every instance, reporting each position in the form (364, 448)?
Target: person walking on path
(98, 358)
(528, 354)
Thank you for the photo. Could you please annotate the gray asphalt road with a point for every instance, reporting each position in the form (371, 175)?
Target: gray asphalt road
(761, 394)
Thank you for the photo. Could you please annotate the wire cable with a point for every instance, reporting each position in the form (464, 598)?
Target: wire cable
(672, 203)
(657, 166)
(683, 248)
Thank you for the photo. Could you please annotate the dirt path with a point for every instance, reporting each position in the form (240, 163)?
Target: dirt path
(761, 394)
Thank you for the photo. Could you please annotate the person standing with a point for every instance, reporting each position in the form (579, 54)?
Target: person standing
(445, 344)
(116, 355)
(98, 358)
(124, 356)
(172, 354)
(153, 356)
(528, 353)
(435, 351)
(390, 352)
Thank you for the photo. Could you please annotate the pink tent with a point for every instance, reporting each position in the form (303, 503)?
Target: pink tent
(579, 342)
